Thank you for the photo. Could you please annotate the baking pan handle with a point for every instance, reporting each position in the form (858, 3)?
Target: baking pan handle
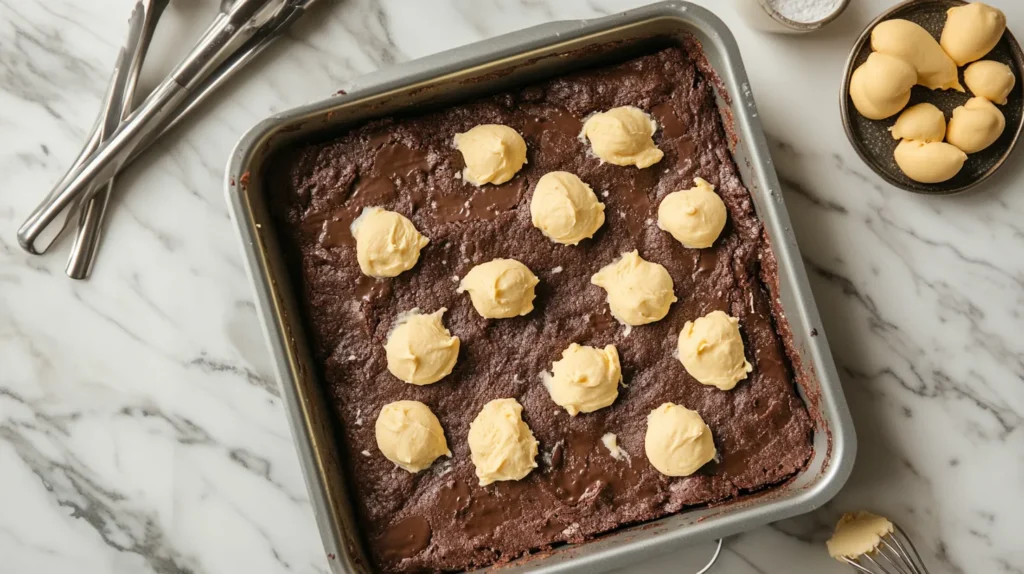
(714, 558)
(477, 53)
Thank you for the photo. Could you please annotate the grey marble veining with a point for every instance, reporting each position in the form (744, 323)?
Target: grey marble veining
(140, 430)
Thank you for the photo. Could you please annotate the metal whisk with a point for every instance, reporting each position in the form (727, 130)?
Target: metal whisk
(895, 554)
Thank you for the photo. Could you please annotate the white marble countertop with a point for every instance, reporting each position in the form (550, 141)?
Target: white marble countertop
(140, 430)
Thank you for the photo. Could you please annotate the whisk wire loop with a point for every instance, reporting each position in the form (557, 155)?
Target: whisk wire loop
(895, 554)
(913, 558)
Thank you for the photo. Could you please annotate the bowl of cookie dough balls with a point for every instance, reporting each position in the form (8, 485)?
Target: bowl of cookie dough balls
(931, 99)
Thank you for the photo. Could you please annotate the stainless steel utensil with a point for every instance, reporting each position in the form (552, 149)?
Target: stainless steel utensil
(895, 555)
(142, 24)
(488, 67)
(83, 252)
(49, 235)
(227, 33)
(269, 31)
(122, 85)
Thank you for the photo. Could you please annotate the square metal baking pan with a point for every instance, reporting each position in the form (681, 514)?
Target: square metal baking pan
(488, 67)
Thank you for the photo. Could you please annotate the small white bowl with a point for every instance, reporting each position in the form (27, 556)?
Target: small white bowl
(759, 14)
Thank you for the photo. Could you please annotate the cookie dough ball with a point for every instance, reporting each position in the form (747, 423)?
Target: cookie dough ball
(565, 209)
(880, 87)
(500, 288)
(913, 44)
(933, 162)
(639, 292)
(923, 122)
(493, 153)
(990, 80)
(678, 442)
(623, 136)
(585, 379)
(420, 350)
(711, 350)
(857, 533)
(409, 435)
(971, 31)
(975, 125)
(387, 243)
(695, 216)
(501, 444)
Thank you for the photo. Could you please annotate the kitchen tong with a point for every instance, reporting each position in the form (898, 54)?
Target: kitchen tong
(241, 30)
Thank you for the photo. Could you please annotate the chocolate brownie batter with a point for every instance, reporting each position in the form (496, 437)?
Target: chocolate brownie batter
(440, 519)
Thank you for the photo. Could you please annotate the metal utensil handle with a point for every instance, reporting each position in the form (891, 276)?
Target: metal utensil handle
(101, 164)
(143, 23)
(93, 142)
(151, 117)
(231, 65)
(253, 47)
(86, 246)
(44, 241)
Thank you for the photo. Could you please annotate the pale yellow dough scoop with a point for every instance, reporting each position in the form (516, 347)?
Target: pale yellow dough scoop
(913, 44)
(880, 87)
(857, 533)
(420, 350)
(500, 288)
(711, 350)
(623, 136)
(678, 442)
(975, 125)
(933, 162)
(923, 122)
(639, 291)
(501, 444)
(990, 80)
(695, 217)
(565, 209)
(409, 435)
(387, 243)
(971, 31)
(585, 379)
(493, 153)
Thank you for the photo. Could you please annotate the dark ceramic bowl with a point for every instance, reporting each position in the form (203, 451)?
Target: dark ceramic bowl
(874, 143)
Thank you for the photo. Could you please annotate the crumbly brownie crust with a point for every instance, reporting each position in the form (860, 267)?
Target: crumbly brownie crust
(440, 519)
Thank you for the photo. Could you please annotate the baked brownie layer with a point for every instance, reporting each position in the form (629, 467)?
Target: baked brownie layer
(440, 519)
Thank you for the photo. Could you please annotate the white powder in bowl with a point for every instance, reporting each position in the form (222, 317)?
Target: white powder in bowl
(805, 11)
